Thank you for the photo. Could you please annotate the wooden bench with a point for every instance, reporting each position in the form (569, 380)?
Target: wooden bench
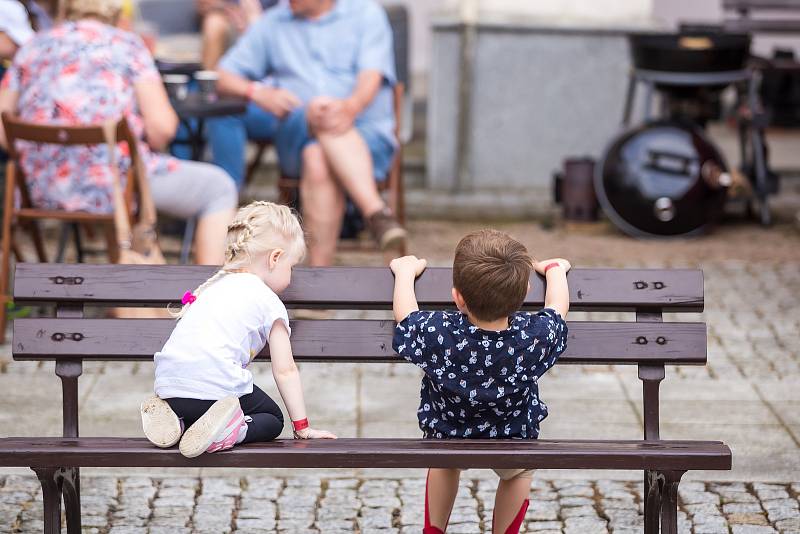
(69, 339)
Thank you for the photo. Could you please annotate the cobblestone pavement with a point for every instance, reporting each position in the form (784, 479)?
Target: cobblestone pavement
(747, 396)
(349, 505)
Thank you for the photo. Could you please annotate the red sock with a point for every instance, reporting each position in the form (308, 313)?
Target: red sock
(513, 528)
(428, 528)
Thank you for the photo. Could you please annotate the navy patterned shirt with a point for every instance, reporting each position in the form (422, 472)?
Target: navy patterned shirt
(480, 383)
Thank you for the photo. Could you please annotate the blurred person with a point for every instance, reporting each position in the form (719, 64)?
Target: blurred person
(101, 72)
(15, 28)
(222, 21)
(318, 75)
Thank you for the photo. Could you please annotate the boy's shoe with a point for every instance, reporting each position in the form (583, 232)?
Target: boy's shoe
(160, 424)
(386, 230)
(217, 430)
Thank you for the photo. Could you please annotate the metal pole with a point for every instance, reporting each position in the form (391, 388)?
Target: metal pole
(468, 30)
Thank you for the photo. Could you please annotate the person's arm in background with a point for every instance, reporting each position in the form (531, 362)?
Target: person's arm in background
(338, 115)
(160, 120)
(375, 66)
(249, 61)
(8, 103)
(406, 270)
(556, 295)
(7, 47)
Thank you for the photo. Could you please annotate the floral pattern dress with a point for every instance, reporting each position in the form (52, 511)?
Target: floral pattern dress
(80, 73)
(480, 383)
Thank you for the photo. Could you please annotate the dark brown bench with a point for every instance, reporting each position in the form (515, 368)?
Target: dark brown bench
(69, 339)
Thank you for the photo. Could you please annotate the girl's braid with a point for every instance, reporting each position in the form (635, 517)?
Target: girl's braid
(246, 233)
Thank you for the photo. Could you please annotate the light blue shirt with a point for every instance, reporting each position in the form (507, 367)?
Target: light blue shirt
(322, 57)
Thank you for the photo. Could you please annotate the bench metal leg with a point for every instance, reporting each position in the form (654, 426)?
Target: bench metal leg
(669, 502)
(70, 489)
(50, 479)
(653, 483)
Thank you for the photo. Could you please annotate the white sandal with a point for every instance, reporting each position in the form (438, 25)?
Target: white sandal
(160, 424)
(217, 429)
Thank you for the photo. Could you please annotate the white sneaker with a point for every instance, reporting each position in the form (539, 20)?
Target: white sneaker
(160, 424)
(216, 430)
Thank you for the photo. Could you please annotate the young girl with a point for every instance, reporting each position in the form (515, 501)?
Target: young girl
(202, 381)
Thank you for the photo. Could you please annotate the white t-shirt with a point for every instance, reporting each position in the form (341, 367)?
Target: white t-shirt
(207, 355)
(14, 22)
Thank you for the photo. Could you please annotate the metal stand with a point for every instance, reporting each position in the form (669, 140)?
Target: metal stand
(751, 129)
(196, 143)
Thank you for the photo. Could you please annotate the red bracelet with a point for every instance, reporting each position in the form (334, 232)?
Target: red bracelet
(300, 424)
(551, 265)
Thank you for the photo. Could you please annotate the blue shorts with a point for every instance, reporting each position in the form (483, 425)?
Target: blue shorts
(291, 136)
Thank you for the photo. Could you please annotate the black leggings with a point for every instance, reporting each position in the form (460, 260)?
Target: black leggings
(267, 418)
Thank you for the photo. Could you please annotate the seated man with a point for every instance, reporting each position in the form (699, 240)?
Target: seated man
(326, 101)
(222, 20)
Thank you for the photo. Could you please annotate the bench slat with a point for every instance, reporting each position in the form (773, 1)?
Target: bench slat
(374, 453)
(349, 287)
(351, 340)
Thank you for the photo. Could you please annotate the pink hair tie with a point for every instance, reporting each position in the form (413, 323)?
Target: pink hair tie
(188, 298)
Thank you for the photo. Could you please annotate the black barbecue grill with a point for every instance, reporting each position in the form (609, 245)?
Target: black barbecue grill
(665, 177)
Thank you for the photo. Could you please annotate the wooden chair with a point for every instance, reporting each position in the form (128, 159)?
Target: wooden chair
(26, 216)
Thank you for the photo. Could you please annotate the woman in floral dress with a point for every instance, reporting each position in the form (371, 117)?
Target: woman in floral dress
(86, 71)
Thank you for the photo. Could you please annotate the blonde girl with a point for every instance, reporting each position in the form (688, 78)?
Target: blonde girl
(202, 380)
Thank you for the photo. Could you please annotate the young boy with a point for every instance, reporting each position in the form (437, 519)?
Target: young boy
(482, 362)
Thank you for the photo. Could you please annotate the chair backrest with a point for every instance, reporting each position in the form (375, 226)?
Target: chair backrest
(774, 19)
(170, 16)
(19, 130)
(398, 20)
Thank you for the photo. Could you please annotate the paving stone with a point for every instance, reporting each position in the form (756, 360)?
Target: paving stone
(544, 526)
(741, 508)
(584, 525)
(752, 529)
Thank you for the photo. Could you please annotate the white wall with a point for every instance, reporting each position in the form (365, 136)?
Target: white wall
(664, 13)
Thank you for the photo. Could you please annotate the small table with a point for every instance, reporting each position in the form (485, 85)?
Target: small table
(192, 111)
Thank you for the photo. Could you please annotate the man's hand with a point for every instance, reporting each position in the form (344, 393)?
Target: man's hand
(331, 115)
(279, 102)
(408, 266)
(310, 433)
(541, 265)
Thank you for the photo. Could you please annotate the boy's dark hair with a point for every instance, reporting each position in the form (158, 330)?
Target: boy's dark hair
(491, 271)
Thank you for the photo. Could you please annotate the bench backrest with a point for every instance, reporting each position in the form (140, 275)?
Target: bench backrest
(69, 338)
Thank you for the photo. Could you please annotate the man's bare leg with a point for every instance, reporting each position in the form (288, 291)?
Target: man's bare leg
(216, 28)
(351, 162)
(323, 205)
(349, 158)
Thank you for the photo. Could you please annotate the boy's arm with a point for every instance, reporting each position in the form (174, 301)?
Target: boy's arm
(556, 295)
(406, 270)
